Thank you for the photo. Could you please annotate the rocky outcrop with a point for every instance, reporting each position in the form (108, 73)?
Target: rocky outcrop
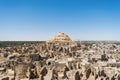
(22, 70)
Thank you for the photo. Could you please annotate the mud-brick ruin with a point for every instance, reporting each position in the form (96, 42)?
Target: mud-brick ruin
(61, 43)
(60, 59)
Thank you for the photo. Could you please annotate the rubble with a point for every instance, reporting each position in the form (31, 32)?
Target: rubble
(60, 59)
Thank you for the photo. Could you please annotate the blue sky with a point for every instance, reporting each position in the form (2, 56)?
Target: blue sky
(42, 19)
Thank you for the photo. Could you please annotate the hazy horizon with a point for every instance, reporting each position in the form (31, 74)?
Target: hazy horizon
(41, 20)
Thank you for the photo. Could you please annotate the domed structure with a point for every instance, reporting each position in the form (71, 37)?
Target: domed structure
(61, 43)
(61, 37)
